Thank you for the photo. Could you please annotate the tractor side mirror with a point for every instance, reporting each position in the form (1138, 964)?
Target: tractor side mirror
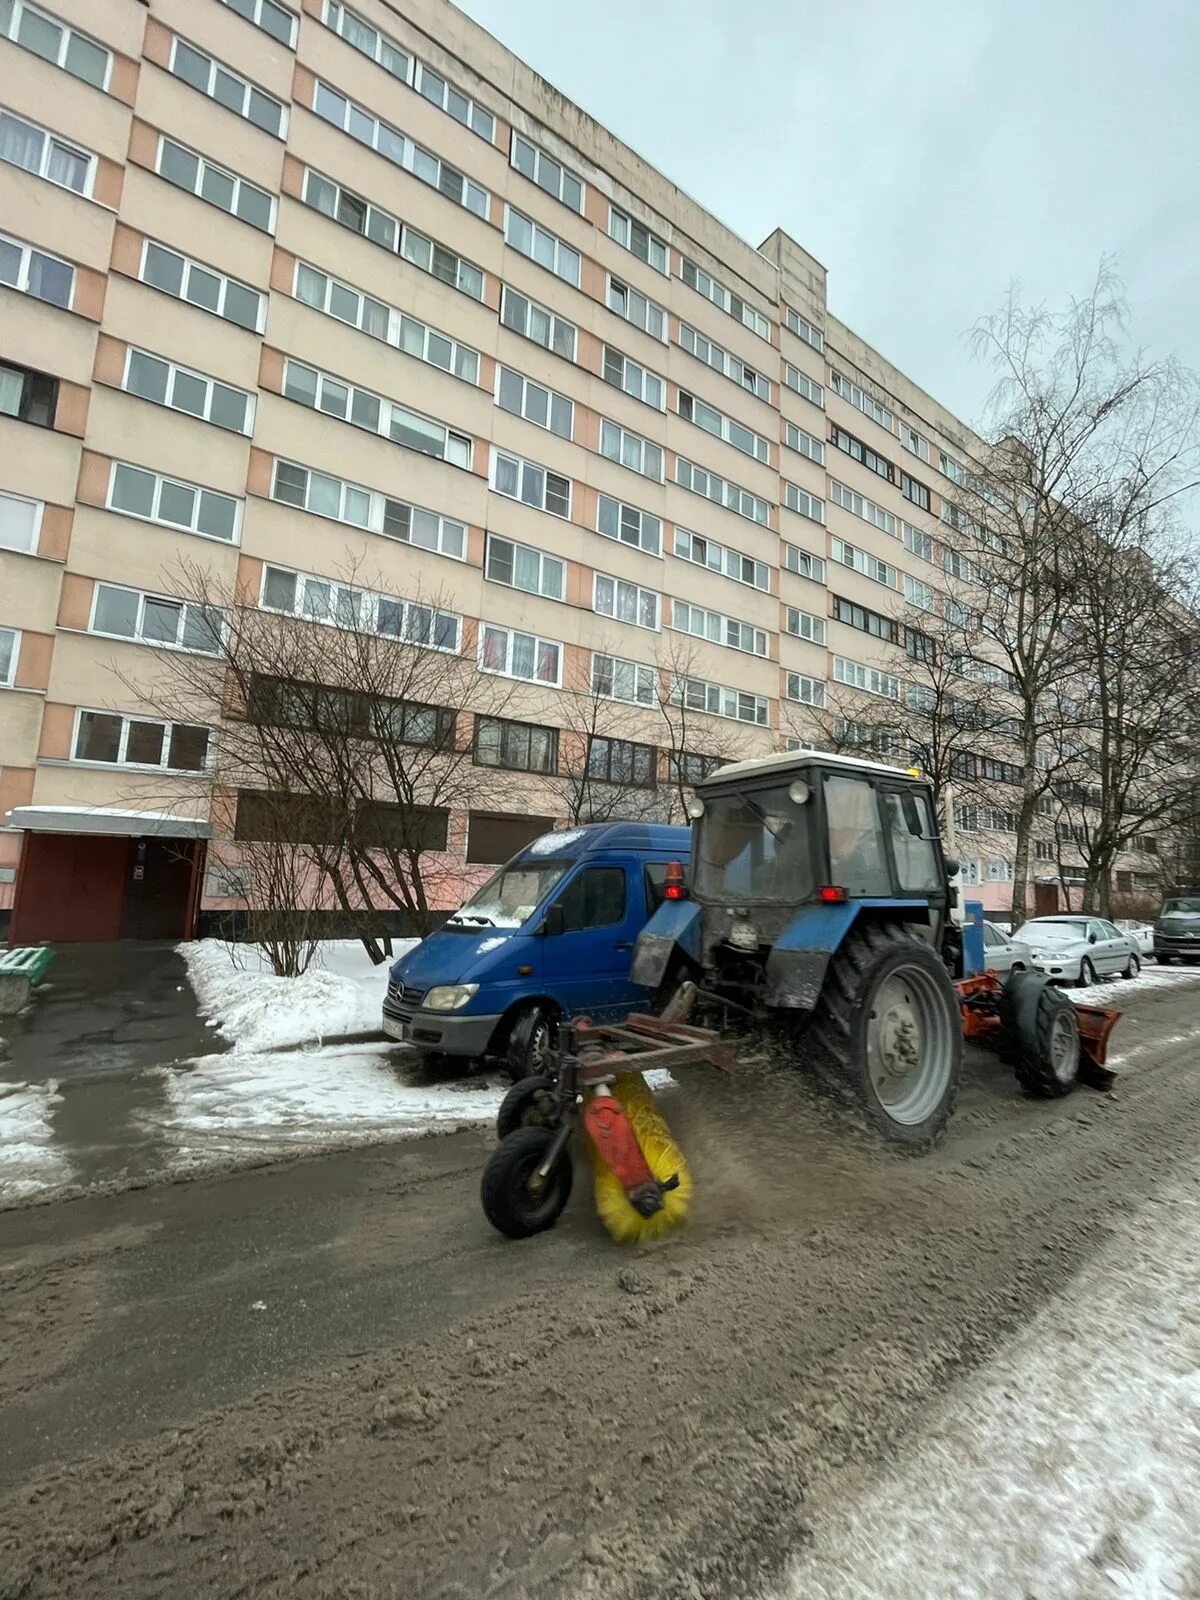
(952, 866)
(554, 922)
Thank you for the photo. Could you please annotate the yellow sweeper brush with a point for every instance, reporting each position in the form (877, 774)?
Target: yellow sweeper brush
(629, 1182)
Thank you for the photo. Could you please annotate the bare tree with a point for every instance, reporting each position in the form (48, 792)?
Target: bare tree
(608, 761)
(697, 732)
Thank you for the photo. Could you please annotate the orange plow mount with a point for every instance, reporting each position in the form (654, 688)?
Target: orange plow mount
(1031, 1020)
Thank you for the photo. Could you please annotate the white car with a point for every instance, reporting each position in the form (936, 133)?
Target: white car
(1081, 949)
(1002, 954)
(1142, 933)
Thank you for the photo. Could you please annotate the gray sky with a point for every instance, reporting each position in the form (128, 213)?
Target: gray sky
(927, 151)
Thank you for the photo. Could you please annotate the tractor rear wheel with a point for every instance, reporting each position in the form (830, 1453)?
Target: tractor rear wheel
(1041, 1035)
(888, 1023)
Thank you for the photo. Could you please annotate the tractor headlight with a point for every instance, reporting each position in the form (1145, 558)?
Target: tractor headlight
(695, 808)
(452, 997)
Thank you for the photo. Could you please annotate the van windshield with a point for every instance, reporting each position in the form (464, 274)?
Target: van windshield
(1189, 907)
(509, 899)
(754, 847)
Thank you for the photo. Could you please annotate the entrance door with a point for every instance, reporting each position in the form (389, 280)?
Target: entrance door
(156, 897)
(72, 886)
(586, 967)
(1045, 899)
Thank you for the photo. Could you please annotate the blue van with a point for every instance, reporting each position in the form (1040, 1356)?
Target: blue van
(549, 937)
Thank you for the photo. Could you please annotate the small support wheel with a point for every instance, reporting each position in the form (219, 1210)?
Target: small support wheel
(515, 1200)
(1042, 1030)
(528, 1104)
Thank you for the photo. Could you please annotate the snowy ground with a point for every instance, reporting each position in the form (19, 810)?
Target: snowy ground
(1116, 992)
(29, 1161)
(1070, 1468)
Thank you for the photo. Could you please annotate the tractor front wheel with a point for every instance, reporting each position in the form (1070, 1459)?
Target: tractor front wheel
(516, 1201)
(888, 1023)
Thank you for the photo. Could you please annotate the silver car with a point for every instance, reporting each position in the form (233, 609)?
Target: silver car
(1081, 949)
(1002, 954)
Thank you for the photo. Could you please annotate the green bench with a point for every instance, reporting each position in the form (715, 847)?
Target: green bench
(20, 969)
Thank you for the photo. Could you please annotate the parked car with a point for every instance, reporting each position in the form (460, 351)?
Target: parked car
(548, 937)
(1081, 949)
(1002, 954)
(1177, 930)
(1143, 932)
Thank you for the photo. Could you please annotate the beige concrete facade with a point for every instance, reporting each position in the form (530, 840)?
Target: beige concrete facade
(165, 166)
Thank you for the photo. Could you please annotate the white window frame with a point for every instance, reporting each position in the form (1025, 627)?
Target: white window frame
(537, 160)
(635, 379)
(718, 700)
(804, 625)
(189, 265)
(552, 396)
(456, 448)
(363, 610)
(551, 581)
(918, 593)
(49, 140)
(524, 466)
(643, 680)
(690, 407)
(854, 394)
(28, 251)
(916, 443)
(565, 261)
(395, 322)
(710, 485)
(155, 517)
(800, 383)
(704, 552)
(952, 469)
(804, 444)
(511, 635)
(717, 628)
(39, 506)
(68, 32)
(204, 164)
(627, 443)
(815, 564)
(622, 299)
(720, 360)
(859, 506)
(252, 11)
(249, 89)
(733, 305)
(9, 678)
(871, 680)
(211, 385)
(127, 720)
(804, 691)
(862, 561)
(442, 535)
(139, 635)
(649, 541)
(804, 329)
(608, 593)
(621, 229)
(918, 543)
(803, 504)
(554, 323)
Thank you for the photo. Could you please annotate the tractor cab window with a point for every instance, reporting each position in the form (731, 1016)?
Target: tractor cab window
(857, 862)
(911, 827)
(755, 847)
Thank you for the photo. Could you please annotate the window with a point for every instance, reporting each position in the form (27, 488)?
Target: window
(425, 529)
(690, 476)
(176, 504)
(638, 239)
(919, 697)
(55, 42)
(187, 280)
(516, 746)
(441, 263)
(521, 567)
(917, 593)
(629, 681)
(337, 299)
(138, 742)
(631, 450)
(865, 621)
(635, 308)
(540, 245)
(712, 421)
(803, 625)
(616, 520)
(958, 566)
(28, 396)
(954, 470)
(999, 821)
(343, 605)
(396, 60)
(860, 399)
(288, 702)
(861, 561)
(685, 767)
(594, 898)
(526, 317)
(858, 451)
(187, 170)
(804, 690)
(228, 88)
(536, 404)
(733, 305)
(394, 146)
(365, 409)
(801, 384)
(803, 563)
(23, 144)
(805, 504)
(1043, 849)
(536, 486)
(272, 18)
(547, 173)
(870, 679)
(912, 831)
(719, 558)
(718, 629)
(879, 740)
(804, 443)
(35, 273)
(999, 871)
(519, 655)
(913, 489)
(10, 649)
(856, 856)
(803, 329)
(622, 761)
(919, 543)
(327, 496)
(492, 838)
(722, 361)
(635, 380)
(20, 523)
(718, 701)
(625, 602)
(180, 389)
(858, 505)
(154, 619)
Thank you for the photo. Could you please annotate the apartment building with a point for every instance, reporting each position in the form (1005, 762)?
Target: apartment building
(286, 291)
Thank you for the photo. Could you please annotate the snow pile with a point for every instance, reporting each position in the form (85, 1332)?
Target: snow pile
(1070, 1468)
(341, 993)
(29, 1162)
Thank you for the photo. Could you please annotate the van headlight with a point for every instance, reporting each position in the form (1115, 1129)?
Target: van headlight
(452, 997)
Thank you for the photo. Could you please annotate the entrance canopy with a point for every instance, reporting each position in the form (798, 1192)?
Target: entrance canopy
(124, 824)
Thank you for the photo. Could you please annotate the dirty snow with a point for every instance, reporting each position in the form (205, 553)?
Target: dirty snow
(1070, 1468)
(341, 993)
(29, 1162)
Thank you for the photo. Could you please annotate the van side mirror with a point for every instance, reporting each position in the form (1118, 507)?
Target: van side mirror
(554, 922)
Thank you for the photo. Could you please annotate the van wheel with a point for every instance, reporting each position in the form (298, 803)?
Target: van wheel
(530, 1041)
